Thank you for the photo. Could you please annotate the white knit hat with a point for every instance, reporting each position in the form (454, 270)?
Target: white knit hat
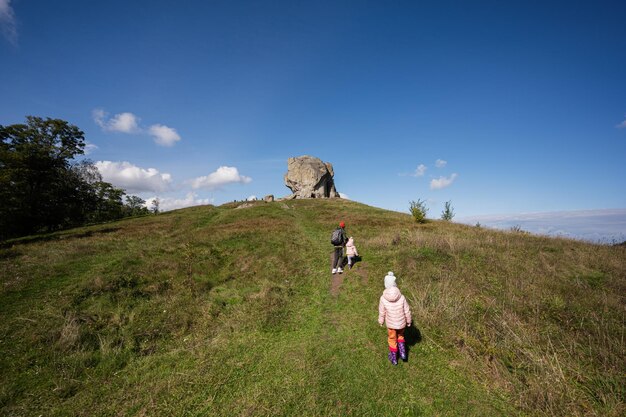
(390, 280)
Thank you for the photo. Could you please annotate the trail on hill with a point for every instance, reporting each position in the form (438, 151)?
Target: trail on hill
(346, 351)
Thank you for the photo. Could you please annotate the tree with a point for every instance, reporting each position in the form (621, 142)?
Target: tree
(136, 206)
(448, 212)
(43, 189)
(418, 210)
(155, 205)
(110, 205)
(35, 174)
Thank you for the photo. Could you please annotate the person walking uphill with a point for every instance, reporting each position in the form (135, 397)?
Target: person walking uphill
(394, 311)
(351, 252)
(338, 239)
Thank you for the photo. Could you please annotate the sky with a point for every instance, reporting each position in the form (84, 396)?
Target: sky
(502, 108)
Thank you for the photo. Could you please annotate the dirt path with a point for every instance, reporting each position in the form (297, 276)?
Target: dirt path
(359, 270)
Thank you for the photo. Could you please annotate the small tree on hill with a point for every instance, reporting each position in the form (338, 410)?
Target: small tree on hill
(155, 205)
(418, 210)
(448, 212)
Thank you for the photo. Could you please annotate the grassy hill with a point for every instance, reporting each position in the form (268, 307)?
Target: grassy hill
(224, 311)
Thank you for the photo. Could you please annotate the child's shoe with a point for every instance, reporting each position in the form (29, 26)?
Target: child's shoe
(402, 350)
(393, 357)
(334, 271)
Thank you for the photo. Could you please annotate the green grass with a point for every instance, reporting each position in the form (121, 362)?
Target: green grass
(226, 311)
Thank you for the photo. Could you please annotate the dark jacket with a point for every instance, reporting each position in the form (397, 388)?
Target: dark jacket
(344, 238)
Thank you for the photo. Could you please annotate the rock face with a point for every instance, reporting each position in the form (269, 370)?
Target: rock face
(309, 177)
(268, 198)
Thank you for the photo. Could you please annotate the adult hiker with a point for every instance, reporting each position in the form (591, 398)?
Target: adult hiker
(338, 239)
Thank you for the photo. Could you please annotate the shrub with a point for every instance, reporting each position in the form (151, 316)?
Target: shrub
(448, 212)
(418, 210)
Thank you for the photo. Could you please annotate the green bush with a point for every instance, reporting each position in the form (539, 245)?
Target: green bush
(418, 210)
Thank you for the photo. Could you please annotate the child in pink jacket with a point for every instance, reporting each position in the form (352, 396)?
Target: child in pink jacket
(351, 252)
(395, 312)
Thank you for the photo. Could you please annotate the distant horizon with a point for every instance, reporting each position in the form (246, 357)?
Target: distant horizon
(605, 226)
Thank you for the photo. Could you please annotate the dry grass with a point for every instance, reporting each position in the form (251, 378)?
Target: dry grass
(544, 316)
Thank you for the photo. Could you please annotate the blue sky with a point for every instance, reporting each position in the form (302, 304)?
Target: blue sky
(522, 103)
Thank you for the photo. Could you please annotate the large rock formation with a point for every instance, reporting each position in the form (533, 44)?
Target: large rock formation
(309, 177)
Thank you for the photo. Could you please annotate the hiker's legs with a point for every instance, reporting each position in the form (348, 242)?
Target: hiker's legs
(400, 334)
(392, 339)
(401, 345)
(337, 256)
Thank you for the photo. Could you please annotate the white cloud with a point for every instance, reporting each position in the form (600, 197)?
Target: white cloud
(442, 182)
(621, 125)
(223, 175)
(133, 178)
(251, 198)
(420, 171)
(343, 195)
(89, 148)
(129, 123)
(167, 203)
(98, 116)
(163, 135)
(7, 21)
(122, 122)
(440, 163)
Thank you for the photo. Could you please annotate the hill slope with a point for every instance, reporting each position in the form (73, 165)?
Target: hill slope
(224, 311)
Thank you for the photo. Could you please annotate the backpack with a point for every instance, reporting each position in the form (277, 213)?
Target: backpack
(337, 237)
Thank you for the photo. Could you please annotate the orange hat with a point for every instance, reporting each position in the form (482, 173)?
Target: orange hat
(342, 224)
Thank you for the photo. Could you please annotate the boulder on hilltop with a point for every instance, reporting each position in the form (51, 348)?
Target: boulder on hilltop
(310, 177)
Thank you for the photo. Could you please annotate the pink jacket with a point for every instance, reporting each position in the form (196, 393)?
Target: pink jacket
(351, 249)
(393, 309)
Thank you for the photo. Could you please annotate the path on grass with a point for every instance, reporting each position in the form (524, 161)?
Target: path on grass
(350, 372)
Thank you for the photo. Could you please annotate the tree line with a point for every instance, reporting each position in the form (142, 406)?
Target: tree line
(43, 188)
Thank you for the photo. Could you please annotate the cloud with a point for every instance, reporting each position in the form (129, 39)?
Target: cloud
(98, 115)
(420, 171)
(89, 148)
(163, 135)
(621, 125)
(8, 23)
(122, 122)
(344, 195)
(125, 123)
(133, 178)
(442, 182)
(440, 163)
(168, 203)
(251, 198)
(129, 123)
(223, 175)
